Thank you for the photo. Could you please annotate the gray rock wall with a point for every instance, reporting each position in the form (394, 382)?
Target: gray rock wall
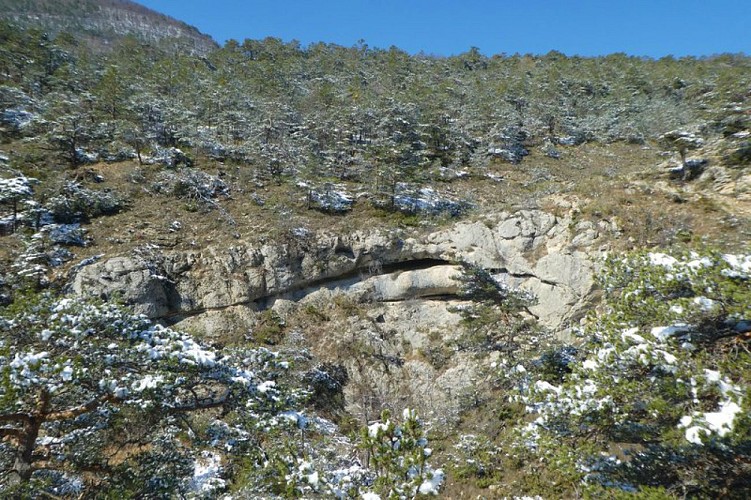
(533, 250)
(404, 283)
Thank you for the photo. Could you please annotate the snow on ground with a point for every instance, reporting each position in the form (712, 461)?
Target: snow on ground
(206, 473)
(719, 422)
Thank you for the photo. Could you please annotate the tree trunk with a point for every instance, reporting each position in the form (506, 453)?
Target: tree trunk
(15, 215)
(22, 466)
(22, 469)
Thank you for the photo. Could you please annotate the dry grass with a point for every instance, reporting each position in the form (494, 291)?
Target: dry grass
(613, 182)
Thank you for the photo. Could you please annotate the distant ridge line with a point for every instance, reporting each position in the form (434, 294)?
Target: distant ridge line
(101, 22)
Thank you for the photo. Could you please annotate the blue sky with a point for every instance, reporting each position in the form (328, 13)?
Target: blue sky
(652, 28)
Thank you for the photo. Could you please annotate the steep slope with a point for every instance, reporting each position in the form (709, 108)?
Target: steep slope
(102, 22)
(403, 232)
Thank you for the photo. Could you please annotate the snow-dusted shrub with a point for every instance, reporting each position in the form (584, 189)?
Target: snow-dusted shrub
(170, 158)
(409, 199)
(512, 154)
(192, 185)
(663, 373)
(13, 191)
(75, 203)
(93, 398)
(18, 120)
(399, 455)
(65, 234)
(477, 457)
(330, 199)
(320, 463)
(31, 267)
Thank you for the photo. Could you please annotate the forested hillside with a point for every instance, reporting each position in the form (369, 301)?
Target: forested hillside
(99, 23)
(239, 270)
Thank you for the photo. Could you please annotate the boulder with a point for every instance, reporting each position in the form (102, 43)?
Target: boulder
(689, 170)
(435, 281)
(127, 279)
(407, 323)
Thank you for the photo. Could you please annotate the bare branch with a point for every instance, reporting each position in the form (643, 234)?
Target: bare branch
(16, 417)
(202, 404)
(80, 410)
(10, 432)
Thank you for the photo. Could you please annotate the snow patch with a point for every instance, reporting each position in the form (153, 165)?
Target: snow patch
(432, 485)
(206, 473)
(266, 386)
(544, 386)
(374, 429)
(631, 335)
(662, 260)
(663, 333)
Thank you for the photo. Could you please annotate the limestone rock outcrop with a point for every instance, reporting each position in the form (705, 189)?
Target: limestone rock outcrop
(534, 250)
(404, 282)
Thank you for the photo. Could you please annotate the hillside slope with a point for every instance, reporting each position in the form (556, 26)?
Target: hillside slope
(101, 22)
(544, 257)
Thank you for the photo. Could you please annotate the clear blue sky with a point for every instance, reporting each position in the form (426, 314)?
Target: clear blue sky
(585, 27)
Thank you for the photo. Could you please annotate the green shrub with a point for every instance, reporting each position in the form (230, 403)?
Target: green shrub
(658, 375)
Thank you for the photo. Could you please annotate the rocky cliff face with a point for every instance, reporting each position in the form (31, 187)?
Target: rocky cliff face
(404, 285)
(531, 250)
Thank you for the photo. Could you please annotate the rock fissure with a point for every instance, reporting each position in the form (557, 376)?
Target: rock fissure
(524, 276)
(439, 297)
(344, 282)
(177, 316)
